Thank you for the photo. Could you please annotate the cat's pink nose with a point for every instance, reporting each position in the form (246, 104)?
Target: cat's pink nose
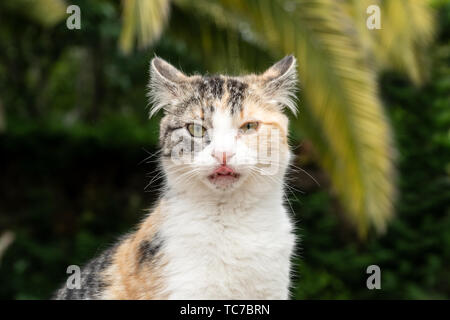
(222, 156)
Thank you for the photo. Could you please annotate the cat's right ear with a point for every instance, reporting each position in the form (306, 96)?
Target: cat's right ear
(165, 87)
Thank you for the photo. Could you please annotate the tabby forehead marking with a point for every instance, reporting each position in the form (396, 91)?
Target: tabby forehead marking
(211, 87)
(237, 91)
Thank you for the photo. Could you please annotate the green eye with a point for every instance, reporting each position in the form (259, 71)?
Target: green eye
(249, 126)
(196, 130)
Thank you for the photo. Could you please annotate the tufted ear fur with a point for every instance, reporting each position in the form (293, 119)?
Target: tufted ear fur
(166, 83)
(280, 83)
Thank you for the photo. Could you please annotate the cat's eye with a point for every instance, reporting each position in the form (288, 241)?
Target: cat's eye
(249, 126)
(196, 130)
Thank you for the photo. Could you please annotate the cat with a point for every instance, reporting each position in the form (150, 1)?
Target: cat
(220, 229)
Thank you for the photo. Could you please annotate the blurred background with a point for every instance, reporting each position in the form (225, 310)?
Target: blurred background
(370, 182)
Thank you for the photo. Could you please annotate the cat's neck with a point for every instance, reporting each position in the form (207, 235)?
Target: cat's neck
(241, 199)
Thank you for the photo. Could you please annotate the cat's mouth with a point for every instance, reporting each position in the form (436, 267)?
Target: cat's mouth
(223, 175)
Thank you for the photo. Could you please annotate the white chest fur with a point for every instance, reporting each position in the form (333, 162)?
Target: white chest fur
(234, 250)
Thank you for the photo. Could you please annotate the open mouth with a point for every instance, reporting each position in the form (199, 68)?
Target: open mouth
(223, 175)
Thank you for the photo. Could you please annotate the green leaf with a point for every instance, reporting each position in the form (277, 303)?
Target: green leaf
(143, 21)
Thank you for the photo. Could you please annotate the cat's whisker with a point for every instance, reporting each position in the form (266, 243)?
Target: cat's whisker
(157, 177)
(151, 155)
(304, 171)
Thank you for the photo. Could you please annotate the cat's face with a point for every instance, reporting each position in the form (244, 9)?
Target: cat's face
(220, 132)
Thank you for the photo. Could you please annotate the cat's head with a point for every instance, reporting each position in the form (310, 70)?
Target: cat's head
(223, 133)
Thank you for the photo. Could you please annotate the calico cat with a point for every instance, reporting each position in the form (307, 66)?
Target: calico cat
(220, 229)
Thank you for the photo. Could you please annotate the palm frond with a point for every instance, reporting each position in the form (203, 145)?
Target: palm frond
(222, 17)
(402, 43)
(405, 37)
(222, 40)
(144, 21)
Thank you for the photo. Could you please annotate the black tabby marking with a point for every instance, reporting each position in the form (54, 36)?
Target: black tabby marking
(237, 91)
(148, 249)
(211, 87)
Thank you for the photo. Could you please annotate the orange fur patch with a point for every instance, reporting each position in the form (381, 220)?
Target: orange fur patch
(127, 278)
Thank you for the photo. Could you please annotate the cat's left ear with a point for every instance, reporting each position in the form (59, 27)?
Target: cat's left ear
(166, 85)
(280, 83)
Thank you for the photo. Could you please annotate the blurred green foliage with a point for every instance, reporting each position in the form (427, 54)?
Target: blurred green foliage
(76, 146)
